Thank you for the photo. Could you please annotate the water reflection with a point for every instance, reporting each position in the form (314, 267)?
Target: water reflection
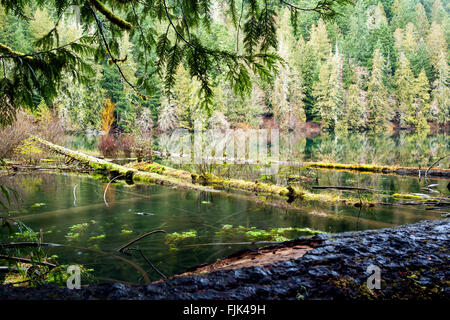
(94, 225)
(402, 149)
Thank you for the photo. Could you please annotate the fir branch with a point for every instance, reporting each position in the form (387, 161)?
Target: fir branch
(113, 59)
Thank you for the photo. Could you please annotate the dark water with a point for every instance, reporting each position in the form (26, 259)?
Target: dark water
(67, 200)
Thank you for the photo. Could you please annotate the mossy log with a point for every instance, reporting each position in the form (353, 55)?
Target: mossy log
(206, 179)
(112, 169)
(369, 168)
(152, 172)
(409, 171)
(211, 180)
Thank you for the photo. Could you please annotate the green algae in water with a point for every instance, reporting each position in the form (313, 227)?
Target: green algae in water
(172, 239)
(99, 237)
(72, 236)
(38, 205)
(253, 234)
(79, 227)
(180, 210)
(126, 229)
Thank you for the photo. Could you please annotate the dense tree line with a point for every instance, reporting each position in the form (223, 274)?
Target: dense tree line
(379, 62)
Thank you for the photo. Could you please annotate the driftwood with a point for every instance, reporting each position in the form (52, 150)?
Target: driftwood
(125, 246)
(380, 169)
(14, 245)
(131, 263)
(25, 260)
(434, 163)
(107, 167)
(107, 186)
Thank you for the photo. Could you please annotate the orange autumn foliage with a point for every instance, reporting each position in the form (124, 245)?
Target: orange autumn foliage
(108, 116)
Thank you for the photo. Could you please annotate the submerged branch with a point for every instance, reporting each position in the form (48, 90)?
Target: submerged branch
(106, 189)
(122, 248)
(26, 260)
(434, 163)
(149, 262)
(230, 243)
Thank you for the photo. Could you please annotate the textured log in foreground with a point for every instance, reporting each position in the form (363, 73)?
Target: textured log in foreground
(413, 260)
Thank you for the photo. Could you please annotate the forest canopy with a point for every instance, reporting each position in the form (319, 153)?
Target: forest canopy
(345, 65)
(166, 34)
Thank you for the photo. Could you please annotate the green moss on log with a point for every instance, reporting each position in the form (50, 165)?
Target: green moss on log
(111, 16)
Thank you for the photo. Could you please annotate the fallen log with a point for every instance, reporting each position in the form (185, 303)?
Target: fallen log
(156, 173)
(343, 188)
(369, 168)
(107, 167)
(164, 175)
(379, 169)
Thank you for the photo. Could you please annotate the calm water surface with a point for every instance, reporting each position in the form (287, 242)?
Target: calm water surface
(56, 202)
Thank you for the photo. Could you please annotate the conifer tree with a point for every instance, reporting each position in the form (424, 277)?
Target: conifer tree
(309, 68)
(436, 44)
(328, 93)
(437, 12)
(41, 24)
(409, 41)
(420, 59)
(186, 99)
(422, 23)
(287, 94)
(357, 40)
(355, 115)
(440, 106)
(417, 112)
(377, 105)
(404, 81)
(403, 13)
(319, 41)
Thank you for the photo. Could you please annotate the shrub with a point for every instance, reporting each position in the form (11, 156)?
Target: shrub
(126, 144)
(29, 151)
(143, 149)
(13, 135)
(51, 129)
(108, 146)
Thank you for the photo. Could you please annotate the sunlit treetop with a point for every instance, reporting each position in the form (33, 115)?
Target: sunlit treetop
(166, 29)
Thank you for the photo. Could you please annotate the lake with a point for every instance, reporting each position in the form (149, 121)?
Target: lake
(75, 210)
